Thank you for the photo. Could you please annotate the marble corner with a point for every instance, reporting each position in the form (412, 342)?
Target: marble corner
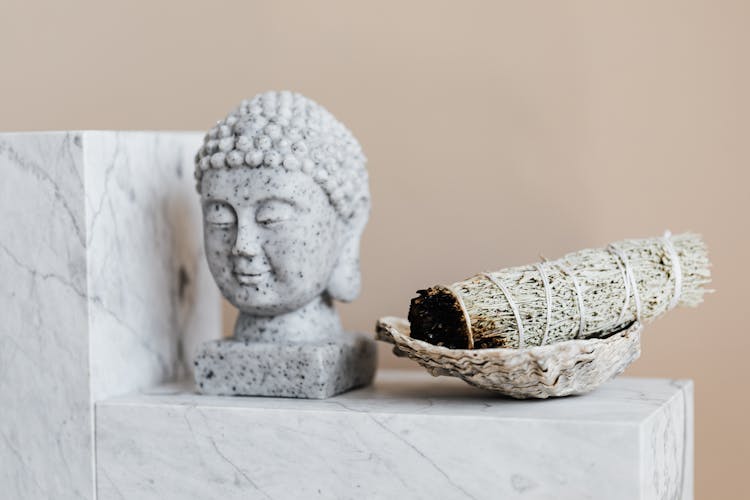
(104, 290)
(667, 443)
(408, 435)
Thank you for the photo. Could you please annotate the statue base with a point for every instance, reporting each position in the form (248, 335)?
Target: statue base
(317, 370)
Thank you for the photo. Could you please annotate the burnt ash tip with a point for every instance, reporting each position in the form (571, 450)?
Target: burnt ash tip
(436, 317)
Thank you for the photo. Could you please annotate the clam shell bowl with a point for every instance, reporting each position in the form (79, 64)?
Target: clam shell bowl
(561, 369)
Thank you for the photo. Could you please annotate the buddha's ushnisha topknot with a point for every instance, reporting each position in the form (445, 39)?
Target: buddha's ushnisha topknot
(287, 130)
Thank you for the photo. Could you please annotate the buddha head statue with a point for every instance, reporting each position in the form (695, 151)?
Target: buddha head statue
(285, 199)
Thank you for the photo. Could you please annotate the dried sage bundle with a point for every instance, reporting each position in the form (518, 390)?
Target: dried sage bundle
(586, 294)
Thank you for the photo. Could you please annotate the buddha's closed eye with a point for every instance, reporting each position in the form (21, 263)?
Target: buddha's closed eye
(220, 214)
(274, 211)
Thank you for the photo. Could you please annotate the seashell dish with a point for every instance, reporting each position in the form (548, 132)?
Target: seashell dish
(561, 369)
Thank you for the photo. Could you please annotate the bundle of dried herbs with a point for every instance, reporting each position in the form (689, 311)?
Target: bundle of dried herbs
(587, 294)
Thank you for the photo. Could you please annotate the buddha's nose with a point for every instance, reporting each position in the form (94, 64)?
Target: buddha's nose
(248, 242)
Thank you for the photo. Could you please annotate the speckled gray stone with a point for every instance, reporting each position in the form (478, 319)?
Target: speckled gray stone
(285, 199)
(317, 369)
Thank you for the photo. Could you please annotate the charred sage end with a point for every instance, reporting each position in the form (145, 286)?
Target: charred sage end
(437, 317)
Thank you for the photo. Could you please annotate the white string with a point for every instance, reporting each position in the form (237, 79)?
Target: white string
(548, 294)
(626, 284)
(579, 296)
(513, 306)
(467, 320)
(631, 278)
(676, 270)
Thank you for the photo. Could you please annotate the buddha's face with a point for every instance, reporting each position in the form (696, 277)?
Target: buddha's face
(272, 237)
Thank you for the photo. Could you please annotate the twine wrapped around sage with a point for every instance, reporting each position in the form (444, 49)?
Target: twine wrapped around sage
(587, 294)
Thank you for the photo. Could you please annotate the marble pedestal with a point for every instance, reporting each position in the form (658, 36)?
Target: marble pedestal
(103, 290)
(407, 436)
(295, 370)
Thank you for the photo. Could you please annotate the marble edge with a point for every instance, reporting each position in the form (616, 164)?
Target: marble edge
(683, 386)
(339, 408)
(178, 395)
(9, 133)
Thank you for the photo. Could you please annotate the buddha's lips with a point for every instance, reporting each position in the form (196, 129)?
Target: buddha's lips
(250, 278)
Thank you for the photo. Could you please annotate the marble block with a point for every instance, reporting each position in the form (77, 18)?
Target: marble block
(407, 436)
(104, 290)
(298, 370)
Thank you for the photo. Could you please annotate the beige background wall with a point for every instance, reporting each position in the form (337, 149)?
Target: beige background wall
(495, 131)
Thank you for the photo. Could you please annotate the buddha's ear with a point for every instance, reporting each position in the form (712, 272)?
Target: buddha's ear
(345, 279)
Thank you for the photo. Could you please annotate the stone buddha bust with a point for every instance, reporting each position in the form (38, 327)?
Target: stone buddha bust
(285, 199)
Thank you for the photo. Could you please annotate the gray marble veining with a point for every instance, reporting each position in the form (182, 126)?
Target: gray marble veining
(104, 290)
(667, 469)
(151, 296)
(45, 424)
(407, 436)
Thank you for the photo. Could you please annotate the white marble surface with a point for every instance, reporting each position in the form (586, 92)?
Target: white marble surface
(151, 297)
(45, 421)
(408, 436)
(667, 468)
(104, 290)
